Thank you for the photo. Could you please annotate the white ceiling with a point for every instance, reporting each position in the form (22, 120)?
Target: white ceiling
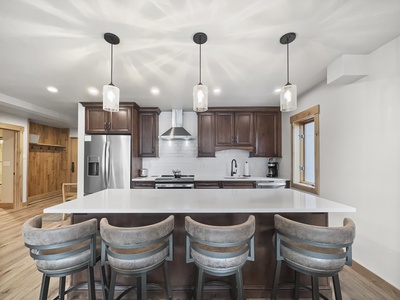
(60, 43)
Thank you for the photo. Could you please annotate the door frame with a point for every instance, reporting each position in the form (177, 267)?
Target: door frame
(18, 165)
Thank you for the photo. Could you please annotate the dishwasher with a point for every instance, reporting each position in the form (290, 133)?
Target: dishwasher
(271, 184)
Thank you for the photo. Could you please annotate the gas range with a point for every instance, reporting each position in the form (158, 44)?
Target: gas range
(174, 182)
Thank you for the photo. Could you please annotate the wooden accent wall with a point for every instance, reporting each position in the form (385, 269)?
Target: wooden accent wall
(47, 161)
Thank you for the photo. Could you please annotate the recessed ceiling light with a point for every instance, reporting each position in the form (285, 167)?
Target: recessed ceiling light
(217, 91)
(155, 90)
(93, 91)
(52, 89)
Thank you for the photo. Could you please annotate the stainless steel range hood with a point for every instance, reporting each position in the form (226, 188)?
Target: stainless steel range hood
(176, 132)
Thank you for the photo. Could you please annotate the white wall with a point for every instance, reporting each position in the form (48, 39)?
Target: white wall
(182, 155)
(360, 157)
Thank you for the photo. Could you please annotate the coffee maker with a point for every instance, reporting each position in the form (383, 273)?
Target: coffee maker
(272, 169)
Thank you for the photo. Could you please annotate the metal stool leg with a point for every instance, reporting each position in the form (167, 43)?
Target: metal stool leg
(276, 279)
(167, 280)
(200, 284)
(296, 285)
(61, 288)
(44, 289)
(112, 284)
(239, 285)
(336, 286)
(315, 287)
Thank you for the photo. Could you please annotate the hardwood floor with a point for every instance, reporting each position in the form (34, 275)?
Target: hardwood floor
(19, 278)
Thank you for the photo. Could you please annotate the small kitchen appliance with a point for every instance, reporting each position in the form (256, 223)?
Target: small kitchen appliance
(143, 172)
(272, 169)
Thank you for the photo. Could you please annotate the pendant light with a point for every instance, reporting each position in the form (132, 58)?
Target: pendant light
(110, 91)
(289, 91)
(200, 91)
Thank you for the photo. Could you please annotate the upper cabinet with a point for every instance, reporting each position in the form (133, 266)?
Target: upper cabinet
(254, 129)
(267, 139)
(234, 129)
(148, 132)
(206, 134)
(98, 121)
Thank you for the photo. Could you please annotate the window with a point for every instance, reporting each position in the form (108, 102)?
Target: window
(305, 150)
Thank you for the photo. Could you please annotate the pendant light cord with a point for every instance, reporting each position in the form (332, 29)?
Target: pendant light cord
(112, 62)
(200, 62)
(287, 58)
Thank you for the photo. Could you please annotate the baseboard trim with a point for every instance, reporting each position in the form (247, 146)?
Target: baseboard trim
(375, 279)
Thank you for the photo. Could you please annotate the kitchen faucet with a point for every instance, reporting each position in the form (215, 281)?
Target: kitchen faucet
(233, 172)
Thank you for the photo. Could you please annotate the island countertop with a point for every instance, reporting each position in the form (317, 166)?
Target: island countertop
(200, 201)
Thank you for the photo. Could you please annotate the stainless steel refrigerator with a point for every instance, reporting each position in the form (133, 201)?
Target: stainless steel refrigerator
(107, 162)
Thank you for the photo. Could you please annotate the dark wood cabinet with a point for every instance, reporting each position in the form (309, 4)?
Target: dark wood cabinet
(238, 184)
(234, 128)
(148, 132)
(206, 134)
(254, 129)
(142, 185)
(98, 121)
(267, 139)
(207, 184)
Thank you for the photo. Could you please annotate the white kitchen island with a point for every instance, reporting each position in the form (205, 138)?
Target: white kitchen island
(138, 207)
(200, 201)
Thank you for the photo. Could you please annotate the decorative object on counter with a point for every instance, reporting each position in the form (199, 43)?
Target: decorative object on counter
(318, 251)
(246, 170)
(289, 91)
(110, 91)
(143, 172)
(200, 91)
(272, 168)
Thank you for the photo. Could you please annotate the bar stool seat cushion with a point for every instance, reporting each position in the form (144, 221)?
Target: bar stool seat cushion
(141, 263)
(313, 264)
(218, 262)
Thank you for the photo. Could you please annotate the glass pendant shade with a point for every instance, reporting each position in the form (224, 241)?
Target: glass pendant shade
(289, 98)
(110, 98)
(200, 98)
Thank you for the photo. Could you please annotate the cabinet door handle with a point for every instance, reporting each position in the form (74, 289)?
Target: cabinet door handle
(152, 150)
(105, 125)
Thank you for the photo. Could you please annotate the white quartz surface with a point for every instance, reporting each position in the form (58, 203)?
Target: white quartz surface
(199, 201)
(216, 178)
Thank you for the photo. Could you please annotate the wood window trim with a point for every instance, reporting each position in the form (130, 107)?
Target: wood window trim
(311, 114)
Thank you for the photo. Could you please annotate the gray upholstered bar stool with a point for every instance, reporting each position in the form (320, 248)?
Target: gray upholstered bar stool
(136, 251)
(313, 250)
(219, 250)
(62, 251)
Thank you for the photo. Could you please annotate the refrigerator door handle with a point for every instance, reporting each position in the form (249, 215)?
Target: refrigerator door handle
(108, 161)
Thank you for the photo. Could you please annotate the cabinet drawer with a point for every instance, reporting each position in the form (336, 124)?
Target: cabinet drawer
(143, 185)
(238, 184)
(207, 184)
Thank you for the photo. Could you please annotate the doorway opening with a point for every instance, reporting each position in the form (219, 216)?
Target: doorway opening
(11, 141)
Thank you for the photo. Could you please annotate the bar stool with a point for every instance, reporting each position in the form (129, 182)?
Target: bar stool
(62, 251)
(313, 250)
(136, 251)
(219, 250)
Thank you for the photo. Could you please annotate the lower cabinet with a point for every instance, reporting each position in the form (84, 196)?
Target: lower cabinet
(142, 185)
(225, 184)
(238, 184)
(207, 184)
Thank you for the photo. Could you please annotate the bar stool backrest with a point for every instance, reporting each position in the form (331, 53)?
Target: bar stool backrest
(61, 251)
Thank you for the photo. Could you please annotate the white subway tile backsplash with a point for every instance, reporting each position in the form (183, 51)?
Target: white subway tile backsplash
(182, 155)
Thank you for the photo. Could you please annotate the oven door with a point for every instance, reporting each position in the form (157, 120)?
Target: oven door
(176, 185)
